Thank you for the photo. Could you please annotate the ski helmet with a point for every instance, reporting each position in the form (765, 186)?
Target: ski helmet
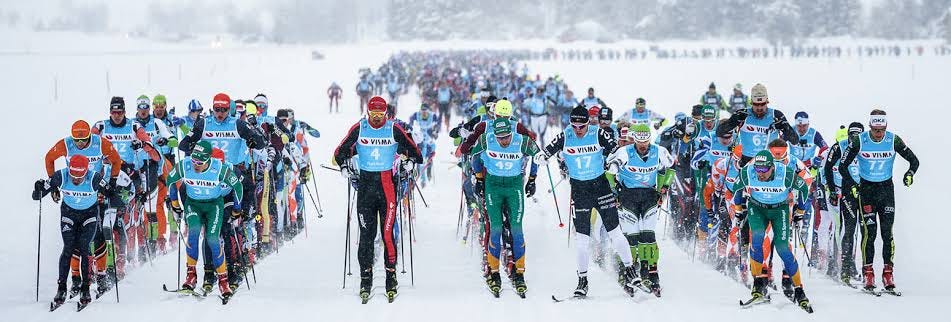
(142, 102)
(606, 114)
(250, 108)
(579, 115)
(201, 152)
(376, 104)
(117, 103)
(758, 94)
(502, 127)
(194, 106)
(503, 108)
(80, 130)
(78, 166)
(679, 116)
(639, 133)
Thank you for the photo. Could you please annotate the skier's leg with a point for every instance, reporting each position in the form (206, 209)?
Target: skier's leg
(494, 197)
(848, 211)
(388, 183)
(627, 219)
(869, 221)
(370, 204)
(71, 240)
(516, 208)
(607, 209)
(887, 220)
(87, 231)
(779, 218)
(756, 219)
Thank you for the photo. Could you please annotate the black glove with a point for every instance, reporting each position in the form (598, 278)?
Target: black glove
(113, 185)
(176, 207)
(161, 141)
(38, 188)
(798, 214)
(55, 195)
(909, 178)
(711, 216)
(739, 212)
(657, 126)
(142, 197)
(834, 196)
(136, 144)
(742, 113)
(530, 187)
(252, 119)
(703, 164)
(304, 174)
(563, 167)
(480, 187)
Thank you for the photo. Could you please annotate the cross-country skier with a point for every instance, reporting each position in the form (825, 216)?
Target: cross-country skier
(643, 176)
(739, 100)
(875, 152)
(641, 115)
(204, 181)
(711, 97)
(763, 189)
(591, 100)
(585, 148)
(847, 204)
(155, 172)
(503, 154)
(759, 124)
(425, 129)
(334, 93)
(377, 141)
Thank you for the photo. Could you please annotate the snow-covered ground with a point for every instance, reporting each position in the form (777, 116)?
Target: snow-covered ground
(45, 92)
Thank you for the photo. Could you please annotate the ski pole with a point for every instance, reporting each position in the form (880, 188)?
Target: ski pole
(234, 236)
(346, 245)
(39, 230)
(412, 272)
(459, 220)
(399, 212)
(554, 196)
(181, 241)
(556, 185)
(420, 193)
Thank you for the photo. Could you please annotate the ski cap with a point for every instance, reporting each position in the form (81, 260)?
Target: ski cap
(639, 133)
(579, 115)
(763, 161)
(712, 86)
(502, 127)
(201, 152)
(758, 94)
(142, 102)
(503, 108)
(117, 103)
(239, 106)
(802, 118)
(708, 112)
(221, 100)
(376, 104)
(738, 87)
(640, 101)
(856, 128)
(78, 166)
(261, 101)
(605, 114)
(593, 111)
(159, 99)
(250, 108)
(80, 130)
(877, 121)
(194, 106)
(218, 154)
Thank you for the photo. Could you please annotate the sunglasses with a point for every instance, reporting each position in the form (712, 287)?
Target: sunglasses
(81, 140)
(877, 130)
(374, 113)
(758, 104)
(579, 125)
(117, 112)
(762, 168)
(198, 162)
(221, 109)
(284, 119)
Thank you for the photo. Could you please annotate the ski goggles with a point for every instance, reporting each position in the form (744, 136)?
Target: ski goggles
(762, 168)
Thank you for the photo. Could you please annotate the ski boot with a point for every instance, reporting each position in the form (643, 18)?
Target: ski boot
(518, 280)
(60, 295)
(392, 285)
(631, 280)
(84, 297)
(868, 273)
(887, 277)
(654, 280)
(800, 299)
(494, 282)
(208, 278)
(76, 286)
(760, 287)
(366, 286)
(223, 285)
(191, 278)
(103, 282)
(788, 289)
(582, 289)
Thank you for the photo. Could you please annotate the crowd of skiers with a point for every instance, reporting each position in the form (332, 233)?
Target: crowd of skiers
(234, 174)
